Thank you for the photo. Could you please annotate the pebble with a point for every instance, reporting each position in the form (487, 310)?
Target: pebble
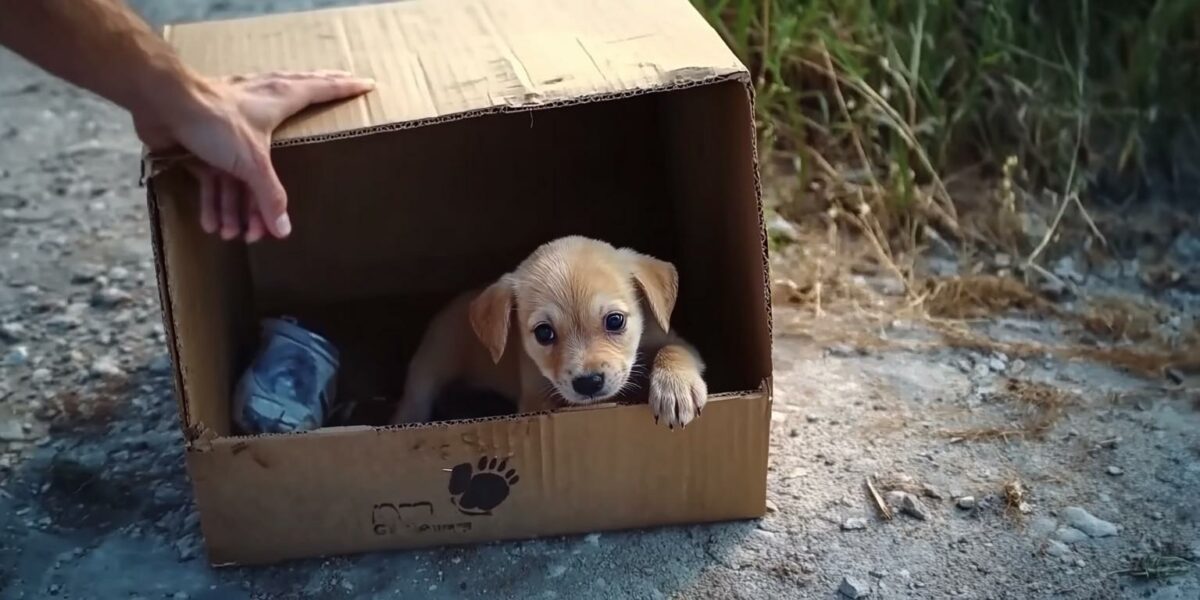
(40, 375)
(1088, 523)
(1057, 548)
(932, 492)
(853, 587)
(1114, 470)
(780, 228)
(854, 524)
(118, 273)
(771, 506)
(966, 502)
(106, 367)
(907, 504)
(186, 547)
(19, 355)
(63, 322)
(841, 350)
(997, 365)
(12, 332)
(1069, 535)
(110, 297)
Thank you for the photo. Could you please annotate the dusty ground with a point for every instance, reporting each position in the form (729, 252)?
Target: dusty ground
(94, 501)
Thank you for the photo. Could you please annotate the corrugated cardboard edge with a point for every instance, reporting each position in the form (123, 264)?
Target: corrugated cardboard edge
(156, 162)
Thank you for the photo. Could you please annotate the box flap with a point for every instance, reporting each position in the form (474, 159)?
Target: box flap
(441, 59)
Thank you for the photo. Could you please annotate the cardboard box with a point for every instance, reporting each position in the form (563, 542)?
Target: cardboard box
(497, 125)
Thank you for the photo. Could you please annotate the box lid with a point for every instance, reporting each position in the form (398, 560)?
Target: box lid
(443, 59)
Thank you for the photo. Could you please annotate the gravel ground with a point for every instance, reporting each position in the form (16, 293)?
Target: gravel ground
(95, 503)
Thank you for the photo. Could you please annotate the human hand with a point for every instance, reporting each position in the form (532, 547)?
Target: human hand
(227, 124)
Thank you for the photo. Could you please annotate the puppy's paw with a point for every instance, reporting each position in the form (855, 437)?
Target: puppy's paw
(677, 396)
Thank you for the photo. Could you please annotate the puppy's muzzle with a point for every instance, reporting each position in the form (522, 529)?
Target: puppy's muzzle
(588, 385)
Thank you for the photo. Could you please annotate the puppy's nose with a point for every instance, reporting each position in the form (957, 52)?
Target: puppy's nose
(588, 385)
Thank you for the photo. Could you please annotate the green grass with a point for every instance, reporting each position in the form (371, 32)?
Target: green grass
(927, 88)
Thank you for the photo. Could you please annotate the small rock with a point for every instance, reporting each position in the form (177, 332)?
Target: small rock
(1114, 470)
(982, 370)
(1052, 288)
(118, 273)
(106, 367)
(963, 364)
(932, 492)
(780, 228)
(84, 273)
(592, 539)
(1056, 548)
(853, 587)
(1157, 515)
(19, 355)
(12, 333)
(771, 506)
(110, 297)
(907, 504)
(186, 547)
(1174, 375)
(1065, 268)
(997, 365)
(854, 524)
(841, 350)
(966, 502)
(1069, 535)
(1017, 367)
(40, 375)
(63, 322)
(811, 418)
(1086, 522)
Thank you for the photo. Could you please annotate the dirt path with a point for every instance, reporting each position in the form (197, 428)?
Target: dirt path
(95, 503)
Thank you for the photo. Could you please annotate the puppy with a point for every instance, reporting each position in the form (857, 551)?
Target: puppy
(578, 322)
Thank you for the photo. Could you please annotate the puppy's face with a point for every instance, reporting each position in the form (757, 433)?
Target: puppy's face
(578, 312)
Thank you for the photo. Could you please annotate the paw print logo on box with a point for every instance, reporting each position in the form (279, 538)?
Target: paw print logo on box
(477, 489)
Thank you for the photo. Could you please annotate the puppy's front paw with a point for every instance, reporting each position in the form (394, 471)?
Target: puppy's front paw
(677, 396)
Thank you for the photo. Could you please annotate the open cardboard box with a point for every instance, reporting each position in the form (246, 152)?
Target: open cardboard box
(496, 125)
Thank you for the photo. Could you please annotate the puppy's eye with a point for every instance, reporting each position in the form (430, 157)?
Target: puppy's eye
(614, 322)
(544, 334)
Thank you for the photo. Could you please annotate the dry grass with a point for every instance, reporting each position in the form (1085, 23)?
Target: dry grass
(980, 296)
(1040, 407)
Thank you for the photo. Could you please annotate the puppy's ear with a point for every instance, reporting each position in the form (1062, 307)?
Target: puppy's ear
(658, 281)
(491, 313)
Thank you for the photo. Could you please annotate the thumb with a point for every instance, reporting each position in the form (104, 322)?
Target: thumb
(269, 197)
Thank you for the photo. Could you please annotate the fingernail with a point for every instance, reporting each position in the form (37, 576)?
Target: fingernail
(283, 225)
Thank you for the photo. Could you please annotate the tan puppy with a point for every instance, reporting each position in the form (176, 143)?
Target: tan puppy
(576, 323)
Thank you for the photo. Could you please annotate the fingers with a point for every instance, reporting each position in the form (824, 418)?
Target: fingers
(207, 180)
(231, 196)
(267, 193)
(315, 88)
(254, 223)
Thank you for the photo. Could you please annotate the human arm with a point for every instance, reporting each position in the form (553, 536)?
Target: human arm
(103, 46)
